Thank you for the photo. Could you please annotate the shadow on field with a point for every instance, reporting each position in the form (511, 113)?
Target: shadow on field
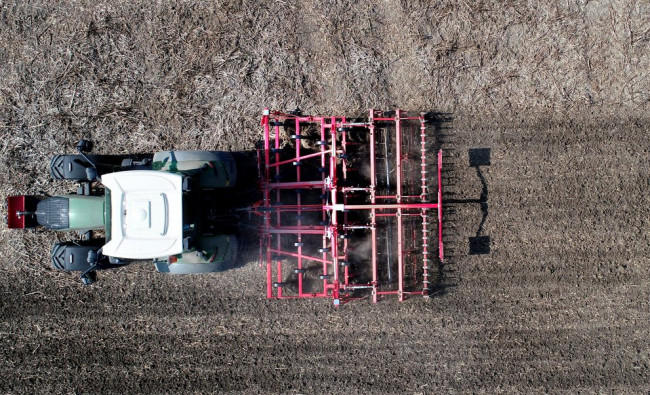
(479, 244)
(455, 239)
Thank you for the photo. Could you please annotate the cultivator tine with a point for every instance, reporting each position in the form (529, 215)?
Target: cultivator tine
(342, 212)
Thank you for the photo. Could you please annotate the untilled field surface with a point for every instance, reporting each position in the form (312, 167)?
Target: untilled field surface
(558, 94)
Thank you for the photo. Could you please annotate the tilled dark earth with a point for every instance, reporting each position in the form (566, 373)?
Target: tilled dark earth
(560, 95)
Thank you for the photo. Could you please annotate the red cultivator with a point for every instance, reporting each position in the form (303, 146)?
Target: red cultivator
(348, 206)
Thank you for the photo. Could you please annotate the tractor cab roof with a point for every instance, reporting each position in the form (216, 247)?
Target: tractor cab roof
(146, 214)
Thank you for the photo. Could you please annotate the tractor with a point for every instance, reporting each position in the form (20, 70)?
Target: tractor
(344, 208)
(162, 207)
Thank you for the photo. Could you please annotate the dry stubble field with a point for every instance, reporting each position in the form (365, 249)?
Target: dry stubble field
(559, 93)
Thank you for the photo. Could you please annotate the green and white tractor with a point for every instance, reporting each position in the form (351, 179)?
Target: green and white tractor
(170, 207)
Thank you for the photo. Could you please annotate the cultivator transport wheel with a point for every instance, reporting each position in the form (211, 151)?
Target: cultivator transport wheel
(350, 208)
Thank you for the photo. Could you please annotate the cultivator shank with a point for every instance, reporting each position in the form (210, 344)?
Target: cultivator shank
(349, 207)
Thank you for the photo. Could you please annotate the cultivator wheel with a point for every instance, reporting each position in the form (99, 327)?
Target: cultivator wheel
(357, 215)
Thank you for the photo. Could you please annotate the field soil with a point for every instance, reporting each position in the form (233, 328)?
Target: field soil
(559, 95)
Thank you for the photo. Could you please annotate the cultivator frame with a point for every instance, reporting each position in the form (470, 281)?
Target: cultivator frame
(318, 214)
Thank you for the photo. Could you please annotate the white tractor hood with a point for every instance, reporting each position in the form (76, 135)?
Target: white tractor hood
(146, 214)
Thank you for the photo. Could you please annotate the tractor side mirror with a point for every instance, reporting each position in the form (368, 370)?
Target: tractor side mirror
(84, 145)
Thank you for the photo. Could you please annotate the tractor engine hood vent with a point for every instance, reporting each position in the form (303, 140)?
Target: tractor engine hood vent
(54, 213)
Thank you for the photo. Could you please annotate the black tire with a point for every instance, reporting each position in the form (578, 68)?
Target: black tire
(73, 167)
(73, 257)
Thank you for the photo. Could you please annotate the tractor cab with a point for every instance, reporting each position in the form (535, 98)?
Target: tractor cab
(144, 214)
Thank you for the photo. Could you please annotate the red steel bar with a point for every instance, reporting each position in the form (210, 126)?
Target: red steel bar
(282, 230)
(398, 292)
(294, 185)
(265, 124)
(441, 254)
(344, 165)
(425, 230)
(269, 277)
(400, 241)
(373, 212)
(296, 159)
(334, 193)
(277, 199)
(403, 197)
(295, 255)
(397, 206)
(299, 201)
